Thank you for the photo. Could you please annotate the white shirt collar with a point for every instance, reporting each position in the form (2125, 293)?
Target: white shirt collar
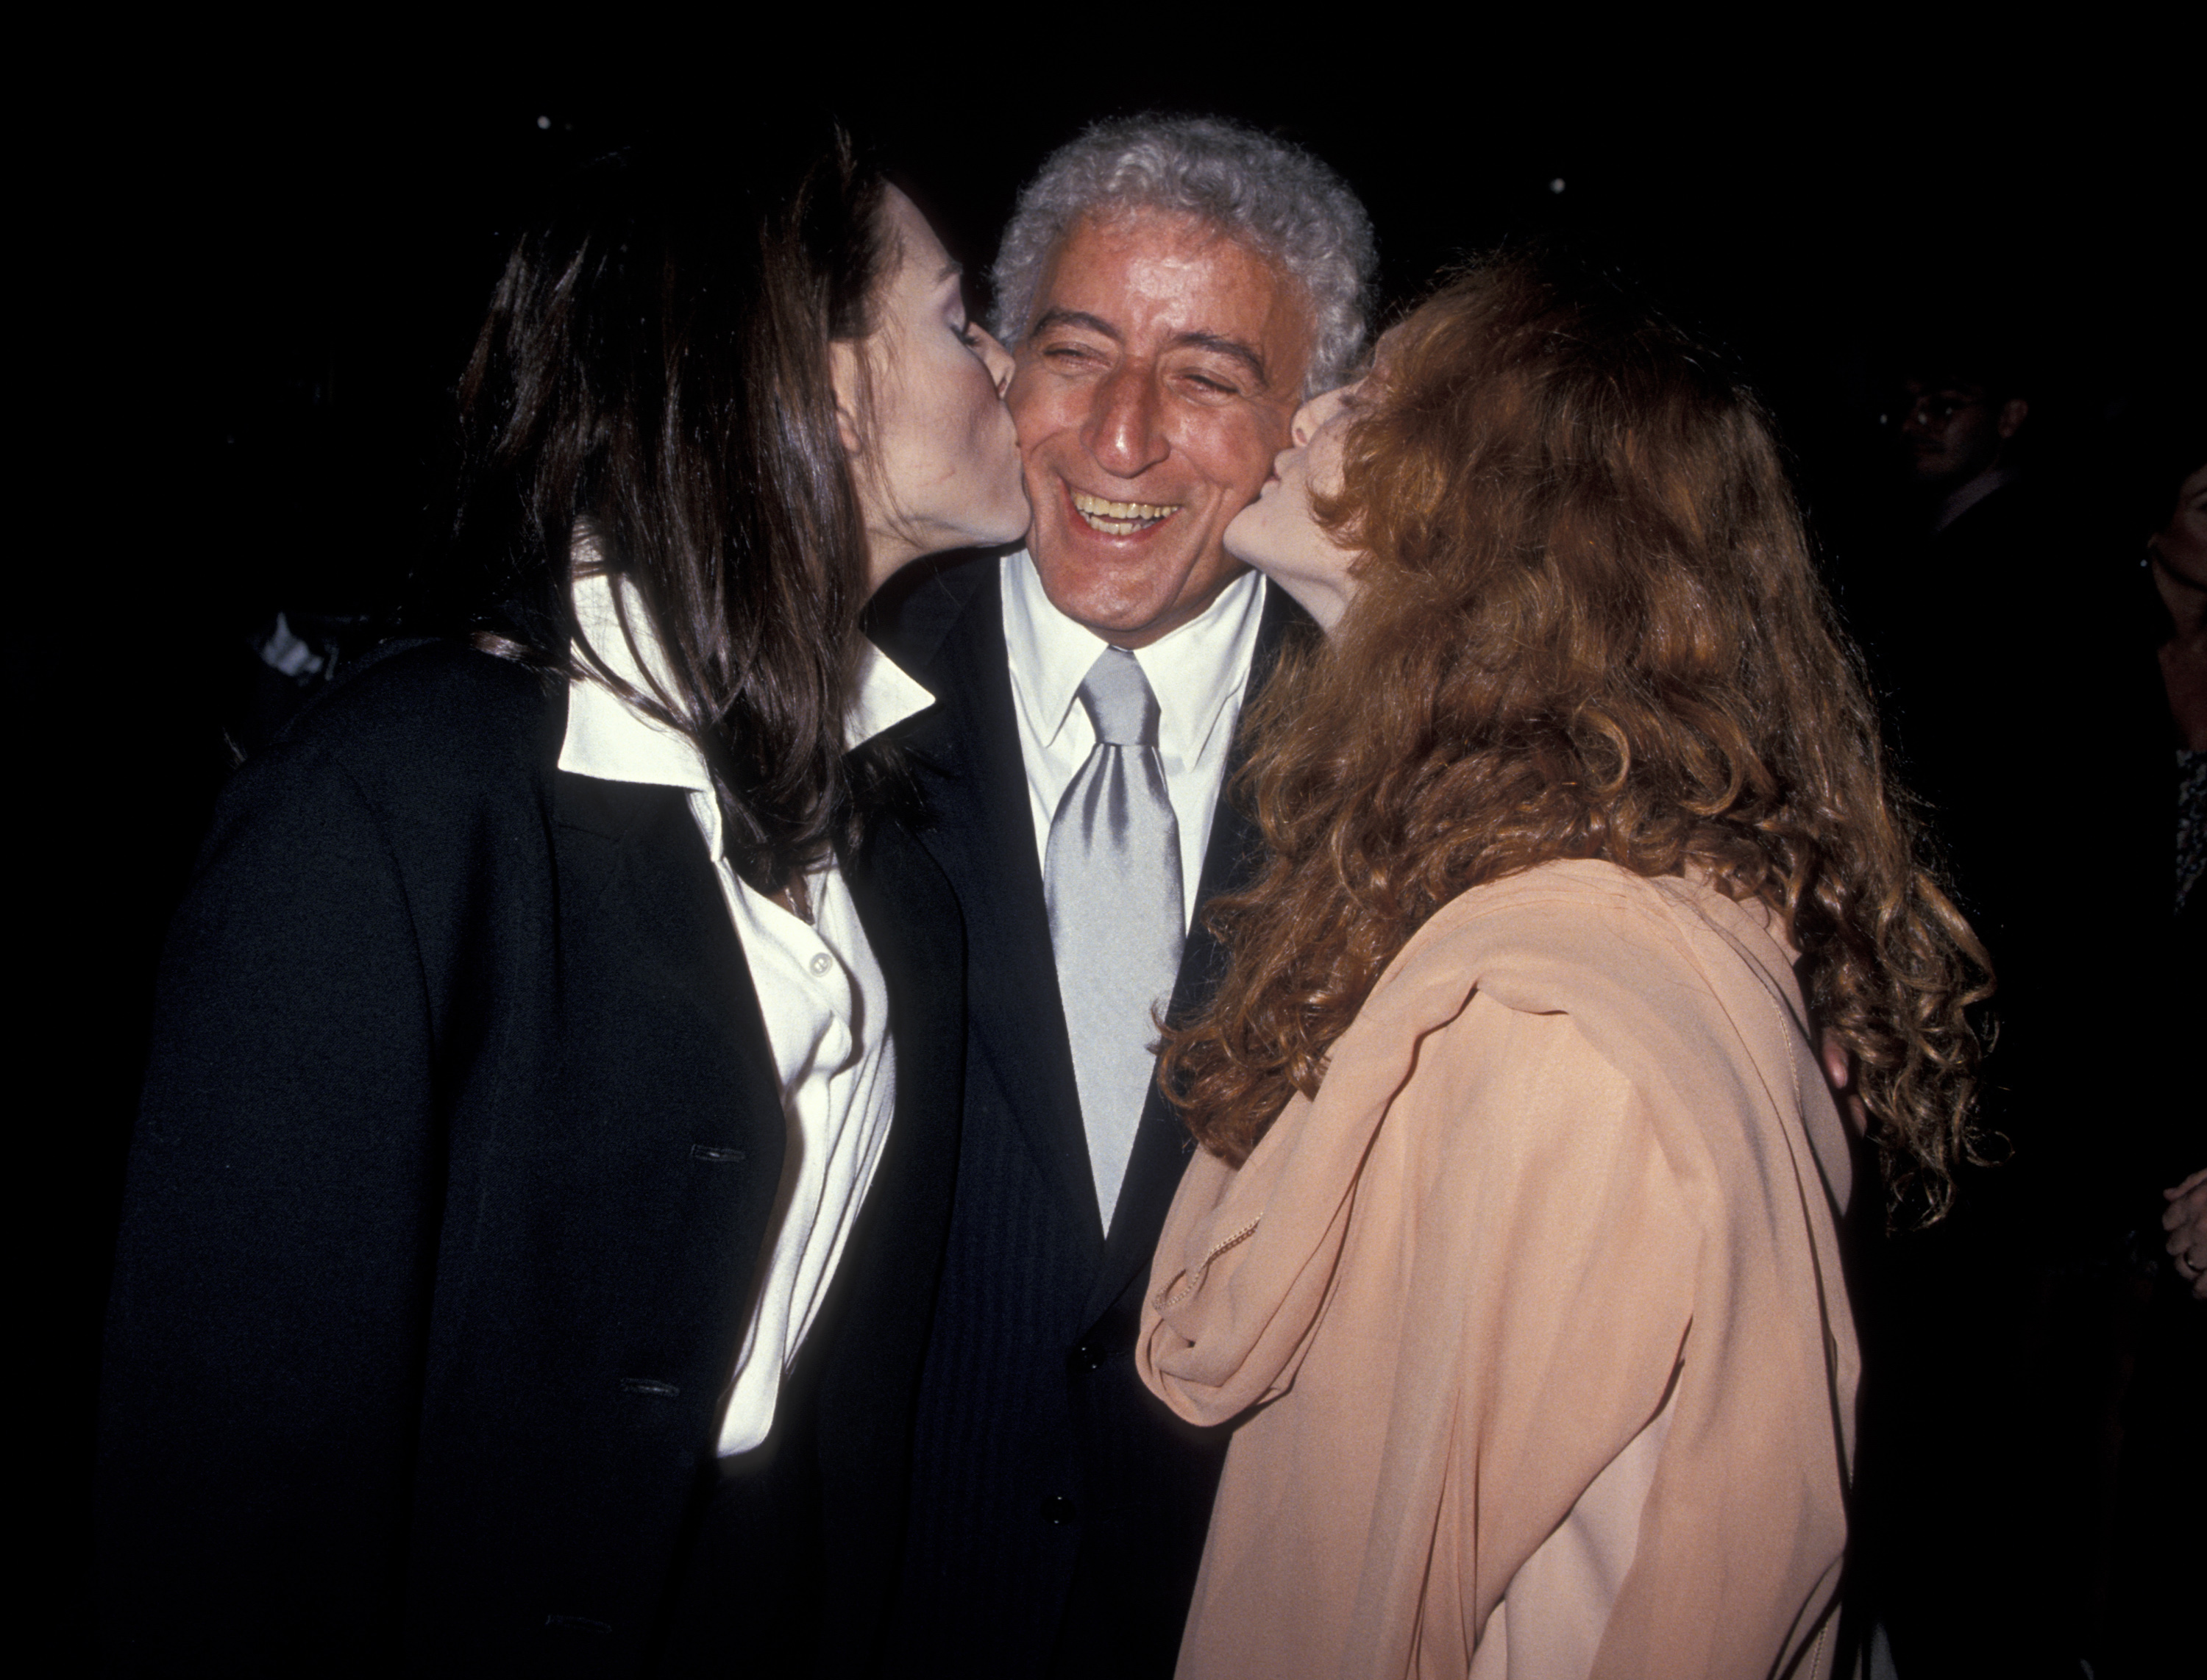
(609, 738)
(1195, 670)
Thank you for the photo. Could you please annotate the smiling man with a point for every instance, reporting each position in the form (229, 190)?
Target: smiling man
(1156, 383)
(1172, 288)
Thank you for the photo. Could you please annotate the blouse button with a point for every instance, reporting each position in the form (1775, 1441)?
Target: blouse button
(822, 962)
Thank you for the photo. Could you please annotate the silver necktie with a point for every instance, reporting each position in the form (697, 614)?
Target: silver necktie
(1112, 879)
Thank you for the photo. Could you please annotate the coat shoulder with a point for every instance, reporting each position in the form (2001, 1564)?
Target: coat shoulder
(1561, 918)
(1655, 971)
(1592, 917)
(427, 726)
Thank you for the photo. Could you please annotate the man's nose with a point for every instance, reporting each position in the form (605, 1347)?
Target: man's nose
(1126, 431)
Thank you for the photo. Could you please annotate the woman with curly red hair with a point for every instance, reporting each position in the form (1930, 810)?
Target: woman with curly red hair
(1514, 1243)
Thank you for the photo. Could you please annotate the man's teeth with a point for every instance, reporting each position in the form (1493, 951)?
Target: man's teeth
(1119, 519)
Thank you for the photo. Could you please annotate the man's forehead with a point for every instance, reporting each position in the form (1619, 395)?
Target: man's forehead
(1144, 269)
(1152, 228)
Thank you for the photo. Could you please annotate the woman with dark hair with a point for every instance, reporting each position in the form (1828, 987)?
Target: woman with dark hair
(1514, 1241)
(547, 1136)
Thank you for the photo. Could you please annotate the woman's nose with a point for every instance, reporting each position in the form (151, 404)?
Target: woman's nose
(996, 359)
(1315, 412)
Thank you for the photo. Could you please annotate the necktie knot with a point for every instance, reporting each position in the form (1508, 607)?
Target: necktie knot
(1120, 701)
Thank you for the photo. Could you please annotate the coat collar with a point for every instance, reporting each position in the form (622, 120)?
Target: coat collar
(1195, 671)
(610, 738)
(982, 837)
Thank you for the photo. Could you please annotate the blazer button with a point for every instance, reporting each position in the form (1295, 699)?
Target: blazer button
(1057, 1510)
(1087, 1357)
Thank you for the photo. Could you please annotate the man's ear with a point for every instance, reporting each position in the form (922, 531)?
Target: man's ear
(2013, 412)
(847, 371)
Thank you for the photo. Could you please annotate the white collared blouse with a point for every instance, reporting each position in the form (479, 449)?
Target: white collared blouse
(821, 989)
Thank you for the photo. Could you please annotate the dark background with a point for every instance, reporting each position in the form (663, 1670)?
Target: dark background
(257, 272)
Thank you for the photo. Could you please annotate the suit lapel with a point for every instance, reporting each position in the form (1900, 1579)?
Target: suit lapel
(982, 838)
(1230, 862)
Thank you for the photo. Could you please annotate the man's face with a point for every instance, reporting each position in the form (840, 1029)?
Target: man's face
(1950, 432)
(1155, 381)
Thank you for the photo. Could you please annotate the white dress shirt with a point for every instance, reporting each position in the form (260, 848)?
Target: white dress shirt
(1199, 674)
(820, 988)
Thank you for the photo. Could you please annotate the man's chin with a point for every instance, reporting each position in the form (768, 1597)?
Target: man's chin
(1096, 597)
(1115, 620)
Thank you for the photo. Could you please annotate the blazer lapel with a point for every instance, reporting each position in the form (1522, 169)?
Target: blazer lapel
(1230, 862)
(982, 836)
(636, 872)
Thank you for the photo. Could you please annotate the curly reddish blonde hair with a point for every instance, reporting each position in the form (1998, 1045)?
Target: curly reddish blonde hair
(1588, 625)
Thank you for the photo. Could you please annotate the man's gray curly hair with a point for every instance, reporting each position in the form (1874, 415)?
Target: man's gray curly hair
(1275, 197)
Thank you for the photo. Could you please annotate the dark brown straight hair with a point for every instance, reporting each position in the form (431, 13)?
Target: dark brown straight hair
(1588, 627)
(653, 377)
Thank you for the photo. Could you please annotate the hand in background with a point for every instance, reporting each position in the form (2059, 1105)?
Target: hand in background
(2186, 1222)
(1839, 1073)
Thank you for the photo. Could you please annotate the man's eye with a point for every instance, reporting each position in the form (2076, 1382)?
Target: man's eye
(964, 333)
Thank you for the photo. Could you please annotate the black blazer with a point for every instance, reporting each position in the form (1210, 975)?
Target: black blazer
(1059, 1509)
(459, 1141)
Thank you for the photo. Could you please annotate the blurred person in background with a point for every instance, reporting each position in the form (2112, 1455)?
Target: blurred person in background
(1957, 430)
(2159, 1556)
(2000, 615)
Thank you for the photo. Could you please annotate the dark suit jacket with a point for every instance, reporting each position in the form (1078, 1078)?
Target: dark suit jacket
(1059, 1509)
(459, 1139)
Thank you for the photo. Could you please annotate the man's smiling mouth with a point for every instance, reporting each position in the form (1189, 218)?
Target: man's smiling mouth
(1118, 518)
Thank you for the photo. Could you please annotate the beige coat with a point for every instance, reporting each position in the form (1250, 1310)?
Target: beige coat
(1540, 1307)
